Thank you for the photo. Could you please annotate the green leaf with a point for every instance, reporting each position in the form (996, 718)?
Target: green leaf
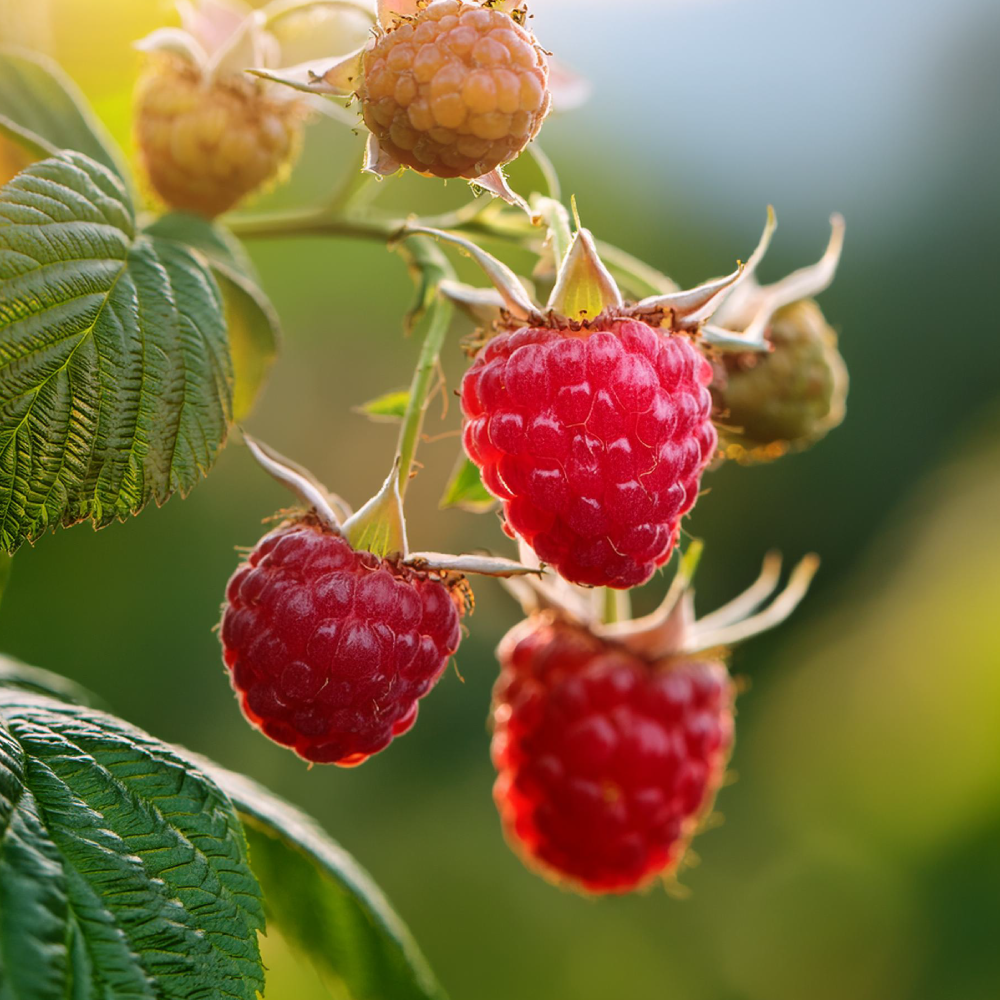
(324, 904)
(466, 490)
(123, 867)
(115, 373)
(251, 322)
(390, 408)
(46, 106)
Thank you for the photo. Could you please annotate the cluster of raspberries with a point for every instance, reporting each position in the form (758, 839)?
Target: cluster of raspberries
(595, 441)
(592, 429)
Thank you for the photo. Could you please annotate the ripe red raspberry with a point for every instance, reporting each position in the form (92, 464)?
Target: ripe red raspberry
(606, 763)
(206, 143)
(595, 440)
(329, 649)
(456, 90)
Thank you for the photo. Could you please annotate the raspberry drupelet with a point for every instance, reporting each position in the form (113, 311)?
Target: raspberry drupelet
(595, 442)
(607, 763)
(330, 649)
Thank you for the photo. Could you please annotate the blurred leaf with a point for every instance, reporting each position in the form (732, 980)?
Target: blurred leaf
(115, 377)
(15, 674)
(254, 329)
(38, 97)
(252, 325)
(466, 490)
(6, 565)
(389, 408)
(19, 148)
(324, 903)
(123, 868)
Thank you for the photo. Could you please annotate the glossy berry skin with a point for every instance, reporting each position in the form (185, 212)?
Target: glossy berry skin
(206, 145)
(769, 404)
(455, 91)
(329, 649)
(606, 763)
(595, 442)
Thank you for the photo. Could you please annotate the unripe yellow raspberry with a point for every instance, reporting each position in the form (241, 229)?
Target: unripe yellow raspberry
(207, 143)
(456, 90)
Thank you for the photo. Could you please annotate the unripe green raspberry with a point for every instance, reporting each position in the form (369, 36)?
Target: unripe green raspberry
(455, 91)
(207, 143)
(769, 404)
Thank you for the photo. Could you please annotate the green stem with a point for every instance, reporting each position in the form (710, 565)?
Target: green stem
(433, 267)
(610, 606)
(315, 222)
(617, 606)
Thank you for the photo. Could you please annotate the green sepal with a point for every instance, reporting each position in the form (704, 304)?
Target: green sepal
(584, 288)
(379, 527)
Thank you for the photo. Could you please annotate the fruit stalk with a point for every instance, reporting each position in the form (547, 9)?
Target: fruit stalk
(434, 268)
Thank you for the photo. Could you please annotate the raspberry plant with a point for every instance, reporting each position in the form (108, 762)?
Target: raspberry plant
(133, 341)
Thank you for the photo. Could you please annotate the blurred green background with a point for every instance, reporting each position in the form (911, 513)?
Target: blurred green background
(860, 853)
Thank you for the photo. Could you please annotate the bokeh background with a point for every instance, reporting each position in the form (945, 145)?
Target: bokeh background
(860, 853)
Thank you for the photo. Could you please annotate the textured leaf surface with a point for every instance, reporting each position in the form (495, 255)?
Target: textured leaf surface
(325, 904)
(465, 489)
(252, 324)
(37, 96)
(115, 373)
(123, 867)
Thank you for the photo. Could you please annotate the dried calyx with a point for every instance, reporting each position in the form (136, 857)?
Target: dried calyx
(219, 39)
(673, 631)
(585, 295)
(379, 526)
(785, 400)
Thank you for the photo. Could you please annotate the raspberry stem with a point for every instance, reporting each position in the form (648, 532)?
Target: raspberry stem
(433, 267)
(617, 606)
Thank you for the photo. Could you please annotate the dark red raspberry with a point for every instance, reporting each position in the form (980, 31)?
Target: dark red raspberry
(606, 763)
(595, 440)
(329, 649)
